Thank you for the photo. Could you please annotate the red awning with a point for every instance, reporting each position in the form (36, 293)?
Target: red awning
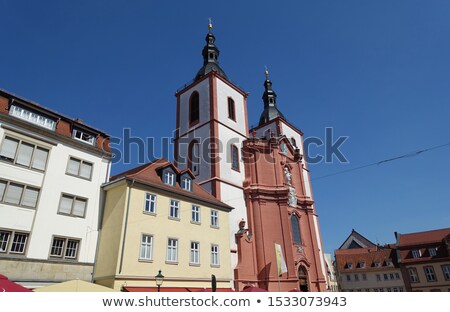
(7, 286)
(173, 289)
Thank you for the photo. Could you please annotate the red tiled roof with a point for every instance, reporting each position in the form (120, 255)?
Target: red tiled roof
(367, 255)
(148, 174)
(419, 238)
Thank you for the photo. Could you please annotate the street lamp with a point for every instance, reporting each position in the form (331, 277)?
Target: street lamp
(159, 280)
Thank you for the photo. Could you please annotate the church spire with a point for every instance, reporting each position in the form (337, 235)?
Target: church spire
(210, 56)
(270, 102)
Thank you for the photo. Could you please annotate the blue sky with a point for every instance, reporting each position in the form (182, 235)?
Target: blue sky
(376, 71)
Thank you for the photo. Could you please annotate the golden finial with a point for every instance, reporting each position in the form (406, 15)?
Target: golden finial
(210, 24)
(267, 73)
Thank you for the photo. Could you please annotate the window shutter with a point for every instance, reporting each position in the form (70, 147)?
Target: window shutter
(40, 158)
(65, 206)
(73, 166)
(79, 207)
(13, 194)
(30, 197)
(85, 171)
(9, 148)
(24, 154)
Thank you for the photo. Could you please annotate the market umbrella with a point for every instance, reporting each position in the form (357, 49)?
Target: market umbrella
(7, 286)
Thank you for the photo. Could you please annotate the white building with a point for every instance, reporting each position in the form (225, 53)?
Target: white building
(51, 169)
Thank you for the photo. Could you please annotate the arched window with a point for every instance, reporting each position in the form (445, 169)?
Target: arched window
(234, 157)
(194, 157)
(303, 278)
(231, 110)
(295, 224)
(194, 108)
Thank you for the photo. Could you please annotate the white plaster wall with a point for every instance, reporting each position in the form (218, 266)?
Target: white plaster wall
(203, 90)
(261, 132)
(228, 137)
(319, 244)
(223, 92)
(48, 222)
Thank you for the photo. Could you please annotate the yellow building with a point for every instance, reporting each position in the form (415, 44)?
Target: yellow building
(156, 218)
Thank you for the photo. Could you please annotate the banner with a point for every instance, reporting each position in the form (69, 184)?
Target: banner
(281, 264)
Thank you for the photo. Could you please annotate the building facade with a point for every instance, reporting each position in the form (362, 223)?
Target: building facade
(51, 169)
(157, 218)
(213, 140)
(424, 259)
(362, 266)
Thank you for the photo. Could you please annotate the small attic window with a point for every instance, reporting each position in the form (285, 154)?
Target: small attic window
(83, 136)
(377, 264)
(349, 265)
(186, 183)
(169, 177)
(388, 263)
(361, 264)
(32, 117)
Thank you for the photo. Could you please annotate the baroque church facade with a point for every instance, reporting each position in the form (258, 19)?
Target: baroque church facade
(260, 172)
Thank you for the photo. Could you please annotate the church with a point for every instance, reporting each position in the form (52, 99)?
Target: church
(261, 172)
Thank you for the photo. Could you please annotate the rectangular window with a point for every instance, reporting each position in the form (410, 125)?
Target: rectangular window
(214, 218)
(446, 271)
(23, 154)
(195, 214)
(215, 255)
(432, 252)
(364, 277)
(174, 210)
(32, 117)
(391, 276)
(348, 278)
(356, 277)
(83, 137)
(79, 168)
(397, 276)
(169, 178)
(172, 250)
(416, 253)
(146, 247)
(234, 157)
(186, 183)
(378, 277)
(195, 253)
(413, 277)
(64, 248)
(386, 277)
(429, 273)
(150, 203)
(231, 109)
(72, 205)
(18, 194)
(13, 242)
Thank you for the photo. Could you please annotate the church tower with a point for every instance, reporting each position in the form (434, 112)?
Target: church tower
(211, 126)
(280, 209)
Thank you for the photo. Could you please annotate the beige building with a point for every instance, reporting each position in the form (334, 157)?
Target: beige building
(362, 266)
(424, 258)
(156, 218)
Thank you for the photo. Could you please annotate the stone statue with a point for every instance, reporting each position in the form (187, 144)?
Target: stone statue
(288, 176)
(292, 199)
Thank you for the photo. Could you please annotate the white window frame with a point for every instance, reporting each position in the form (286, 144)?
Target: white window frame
(169, 178)
(14, 239)
(416, 253)
(186, 183)
(413, 276)
(32, 117)
(432, 251)
(31, 161)
(64, 248)
(195, 214)
(430, 274)
(172, 250)
(82, 162)
(194, 255)
(146, 247)
(74, 198)
(174, 209)
(214, 218)
(446, 272)
(83, 136)
(150, 203)
(215, 255)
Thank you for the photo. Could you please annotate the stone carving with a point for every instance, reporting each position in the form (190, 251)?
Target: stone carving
(288, 176)
(292, 199)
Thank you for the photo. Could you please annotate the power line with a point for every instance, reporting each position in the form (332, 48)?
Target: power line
(411, 154)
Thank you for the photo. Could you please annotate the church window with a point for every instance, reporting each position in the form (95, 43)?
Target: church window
(194, 157)
(231, 109)
(296, 237)
(234, 157)
(194, 108)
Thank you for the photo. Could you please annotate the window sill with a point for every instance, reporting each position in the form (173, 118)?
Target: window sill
(149, 213)
(196, 223)
(173, 218)
(79, 177)
(194, 264)
(215, 227)
(145, 260)
(215, 266)
(172, 262)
